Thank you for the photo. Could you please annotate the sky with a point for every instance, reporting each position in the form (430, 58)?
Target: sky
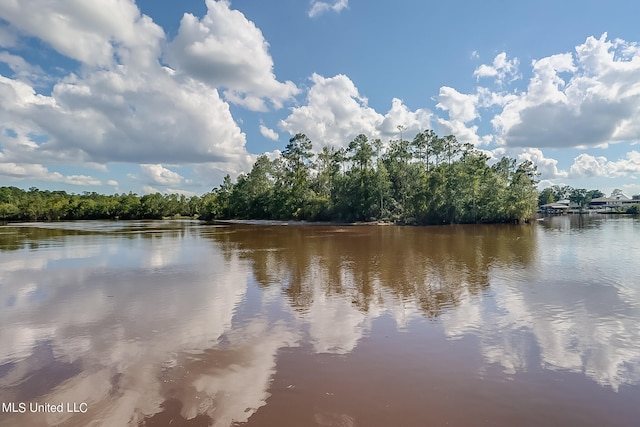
(142, 96)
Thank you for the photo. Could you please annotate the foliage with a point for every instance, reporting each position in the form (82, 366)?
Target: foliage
(37, 205)
(429, 180)
(634, 210)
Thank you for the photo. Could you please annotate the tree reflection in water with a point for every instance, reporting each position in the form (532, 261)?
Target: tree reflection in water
(433, 267)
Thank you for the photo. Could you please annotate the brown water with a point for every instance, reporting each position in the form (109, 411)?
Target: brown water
(185, 324)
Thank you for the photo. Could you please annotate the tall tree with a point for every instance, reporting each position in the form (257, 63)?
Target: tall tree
(522, 197)
(293, 181)
(361, 196)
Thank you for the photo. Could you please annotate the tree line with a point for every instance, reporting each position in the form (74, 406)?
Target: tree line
(428, 180)
(43, 205)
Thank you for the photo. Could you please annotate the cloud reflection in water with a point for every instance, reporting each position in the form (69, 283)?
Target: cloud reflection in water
(199, 314)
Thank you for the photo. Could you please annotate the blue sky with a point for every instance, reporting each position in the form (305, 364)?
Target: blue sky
(117, 96)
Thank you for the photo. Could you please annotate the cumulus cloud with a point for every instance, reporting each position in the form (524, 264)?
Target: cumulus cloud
(89, 32)
(547, 167)
(587, 166)
(320, 7)
(122, 106)
(269, 133)
(460, 106)
(462, 109)
(462, 132)
(39, 172)
(147, 189)
(400, 115)
(225, 49)
(115, 184)
(112, 115)
(159, 175)
(589, 98)
(336, 112)
(501, 70)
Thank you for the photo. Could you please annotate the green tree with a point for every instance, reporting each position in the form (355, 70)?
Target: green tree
(194, 206)
(396, 161)
(360, 199)
(546, 196)
(9, 211)
(422, 145)
(561, 192)
(594, 194)
(223, 198)
(522, 199)
(579, 197)
(292, 185)
(253, 192)
(151, 206)
(129, 206)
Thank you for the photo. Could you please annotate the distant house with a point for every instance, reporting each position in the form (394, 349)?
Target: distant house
(559, 207)
(615, 202)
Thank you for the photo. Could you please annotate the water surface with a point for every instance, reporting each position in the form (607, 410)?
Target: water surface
(181, 323)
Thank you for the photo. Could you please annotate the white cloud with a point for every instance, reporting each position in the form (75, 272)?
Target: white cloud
(159, 175)
(115, 184)
(90, 32)
(544, 183)
(502, 69)
(400, 115)
(320, 7)
(547, 167)
(39, 172)
(119, 115)
(225, 49)
(269, 133)
(21, 68)
(147, 189)
(460, 106)
(122, 105)
(589, 98)
(336, 112)
(80, 180)
(462, 132)
(586, 166)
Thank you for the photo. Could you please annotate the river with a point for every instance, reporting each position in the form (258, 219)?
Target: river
(177, 323)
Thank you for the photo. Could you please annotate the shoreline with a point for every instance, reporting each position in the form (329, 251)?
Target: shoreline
(273, 222)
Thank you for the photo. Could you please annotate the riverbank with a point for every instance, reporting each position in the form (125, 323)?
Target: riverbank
(269, 222)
